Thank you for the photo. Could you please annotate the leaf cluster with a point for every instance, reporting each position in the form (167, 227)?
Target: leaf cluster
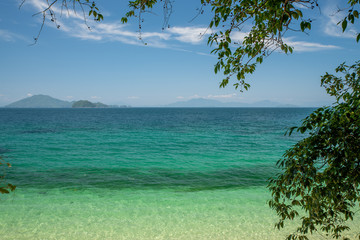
(138, 5)
(320, 175)
(353, 14)
(268, 21)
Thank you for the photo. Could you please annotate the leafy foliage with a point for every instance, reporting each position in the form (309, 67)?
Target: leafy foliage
(352, 14)
(269, 21)
(5, 188)
(321, 174)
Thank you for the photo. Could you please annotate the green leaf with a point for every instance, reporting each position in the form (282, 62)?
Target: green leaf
(124, 20)
(356, 13)
(344, 25)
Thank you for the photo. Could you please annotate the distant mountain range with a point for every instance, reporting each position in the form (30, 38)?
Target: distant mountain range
(201, 102)
(44, 101)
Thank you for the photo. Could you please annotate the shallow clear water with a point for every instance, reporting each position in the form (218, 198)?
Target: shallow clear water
(152, 173)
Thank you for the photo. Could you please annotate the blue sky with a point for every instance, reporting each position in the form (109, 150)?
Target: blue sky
(111, 65)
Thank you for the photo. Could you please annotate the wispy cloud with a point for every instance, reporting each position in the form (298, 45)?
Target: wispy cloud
(239, 36)
(133, 97)
(8, 36)
(194, 96)
(117, 32)
(78, 26)
(231, 95)
(211, 96)
(299, 46)
(193, 35)
(95, 97)
(73, 24)
(302, 46)
(332, 17)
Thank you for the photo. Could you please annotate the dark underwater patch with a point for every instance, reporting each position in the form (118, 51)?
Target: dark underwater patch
(37, 131)
(4, 150)
(154, 178)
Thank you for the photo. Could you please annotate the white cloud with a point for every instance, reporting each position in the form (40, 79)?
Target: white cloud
(302, 5)
(299, 46)
(211, 96)
(73, 24)
(8, 36)
(331, 28)
(193, 35)
(29, 94)
(231, 95)
(117, 32)
(194, 96)
(95, 97)
(238, 36)
(133, 97)
(205, 54)
(302, 46)
(117, 29)
(39, 5)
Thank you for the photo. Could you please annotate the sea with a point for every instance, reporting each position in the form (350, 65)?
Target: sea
(143, 173)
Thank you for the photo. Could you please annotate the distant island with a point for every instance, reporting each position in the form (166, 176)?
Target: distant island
(88, 104)
(45, 101)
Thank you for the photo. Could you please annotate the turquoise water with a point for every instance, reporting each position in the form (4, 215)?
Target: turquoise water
(151, 173)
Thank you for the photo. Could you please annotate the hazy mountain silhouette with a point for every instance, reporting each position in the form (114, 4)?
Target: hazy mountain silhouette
(201, 102)
(40, 101)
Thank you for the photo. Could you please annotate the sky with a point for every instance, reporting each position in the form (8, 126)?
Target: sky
(109, 64)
